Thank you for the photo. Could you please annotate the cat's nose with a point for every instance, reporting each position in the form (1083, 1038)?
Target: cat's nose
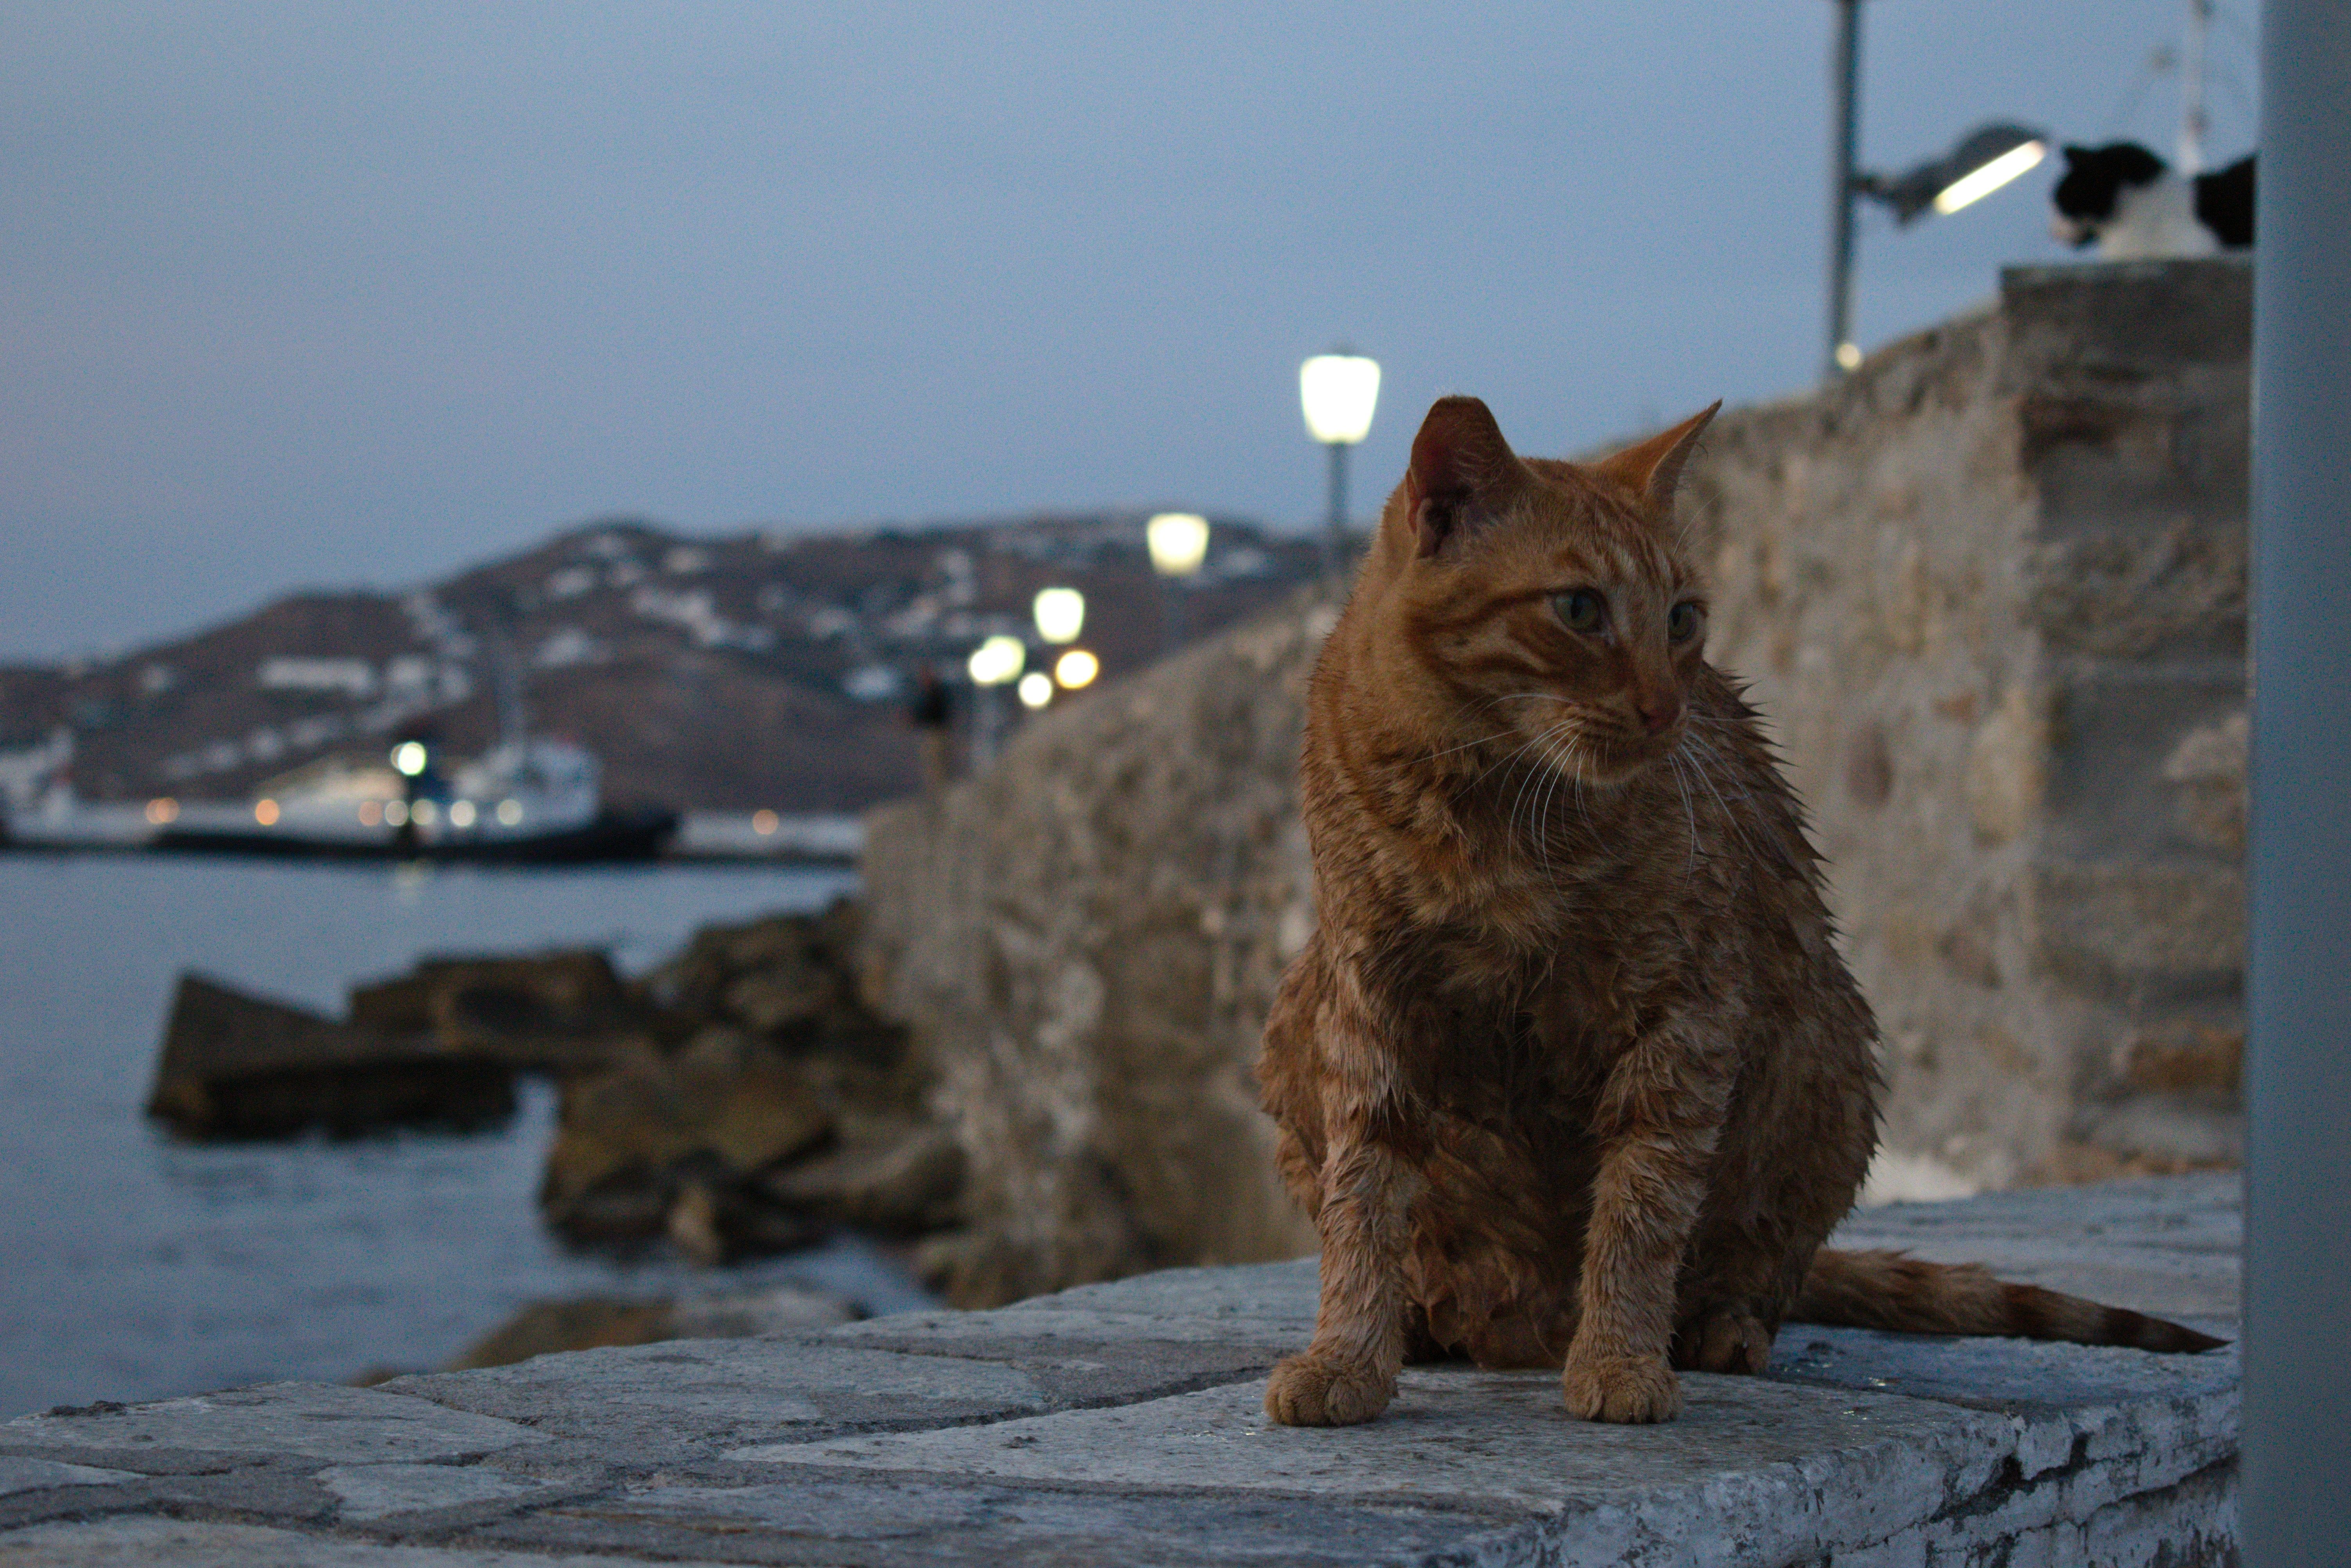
(1658, 714)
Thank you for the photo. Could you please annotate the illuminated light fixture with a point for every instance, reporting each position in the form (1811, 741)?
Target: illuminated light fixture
(264, 812)
(409, 757)
(997, 659)
(395, 814)
(1973, 187)
(1076, 668)
(1178, 542)
(1339, 392)
(1060, 614)
(764, 823)
(1978, 164)
(1036, 689)
(371, 813)
(461, 813)
(163, 810)
(422, 813)
(509, 813)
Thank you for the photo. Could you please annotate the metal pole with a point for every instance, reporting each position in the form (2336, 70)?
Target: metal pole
(1844, 132)
(2297, 1443)
(1334, 547)
(2192, 122)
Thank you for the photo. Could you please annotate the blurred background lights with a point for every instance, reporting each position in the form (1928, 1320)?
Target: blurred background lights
(163, 810)
(1076, 668)
(509, 813)
(422, 813)
(409, 758)
(1061, 614)
(764, 822)
(395, 814)
(997, 660)
(1036, 689)
(1178, 542)
(461, 813)
(264, 812)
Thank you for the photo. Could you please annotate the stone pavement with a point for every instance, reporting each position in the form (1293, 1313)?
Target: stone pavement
(1121, 1423)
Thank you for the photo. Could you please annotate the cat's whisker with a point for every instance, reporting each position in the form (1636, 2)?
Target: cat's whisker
(1688, 814)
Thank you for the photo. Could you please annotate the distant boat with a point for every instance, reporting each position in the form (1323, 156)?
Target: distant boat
(534, 802)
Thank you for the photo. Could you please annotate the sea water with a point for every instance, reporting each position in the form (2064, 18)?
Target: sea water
(133, 1265)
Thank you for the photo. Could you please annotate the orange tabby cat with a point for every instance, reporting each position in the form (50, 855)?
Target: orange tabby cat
(1571, 1073)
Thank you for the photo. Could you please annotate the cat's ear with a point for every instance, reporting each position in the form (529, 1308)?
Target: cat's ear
(1652, 469)
(1460, 465)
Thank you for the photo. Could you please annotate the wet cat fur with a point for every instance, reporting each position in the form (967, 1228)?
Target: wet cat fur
(1570, 1073)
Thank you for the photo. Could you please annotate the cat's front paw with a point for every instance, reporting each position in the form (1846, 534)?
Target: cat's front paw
(1628, 1388)
(1723, 1339)
(1307, 1390)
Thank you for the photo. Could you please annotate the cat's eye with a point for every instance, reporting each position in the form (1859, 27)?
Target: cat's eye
(1581, 609)
(1683, 620)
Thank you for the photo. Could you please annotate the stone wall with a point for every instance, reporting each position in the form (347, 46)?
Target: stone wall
(1990, 592)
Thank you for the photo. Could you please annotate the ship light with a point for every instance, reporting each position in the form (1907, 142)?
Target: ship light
(509, 813)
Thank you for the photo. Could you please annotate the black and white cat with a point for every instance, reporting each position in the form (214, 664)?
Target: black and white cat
(2128, 201)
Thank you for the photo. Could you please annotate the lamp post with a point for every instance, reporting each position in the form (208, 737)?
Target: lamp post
(997, 661)
(1178, 542)
(1338, 391)
(1978, 164)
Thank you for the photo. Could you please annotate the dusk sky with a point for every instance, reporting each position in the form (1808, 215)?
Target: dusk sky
(332, 295)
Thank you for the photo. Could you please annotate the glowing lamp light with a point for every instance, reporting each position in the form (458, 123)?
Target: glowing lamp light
(509, 813)
(163, 810)
(461, 813)
(264, 812)
(1339, 392)
(1036, 689)
(371, 813)
(409, 756)
(1076, 668)
(422, 813)
(764, 823)
(395, 814)
(1990, 177)
(997, 660)
(1061, 614)
(1178, 542)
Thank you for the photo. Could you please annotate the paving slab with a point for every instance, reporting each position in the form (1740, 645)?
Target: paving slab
(317, 1420)
(1124, 1422)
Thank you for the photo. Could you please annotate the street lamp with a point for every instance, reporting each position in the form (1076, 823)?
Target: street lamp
(1060, 614)
(1338, 391)
(997, 659)
(1178, 542)
(1978, 164)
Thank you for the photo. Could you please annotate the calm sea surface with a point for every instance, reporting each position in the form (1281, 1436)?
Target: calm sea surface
(132, 1267)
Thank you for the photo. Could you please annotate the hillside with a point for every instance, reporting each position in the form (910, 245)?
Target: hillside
(710, 673)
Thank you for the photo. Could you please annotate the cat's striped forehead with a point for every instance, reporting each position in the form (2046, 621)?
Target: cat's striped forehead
(1568, 525)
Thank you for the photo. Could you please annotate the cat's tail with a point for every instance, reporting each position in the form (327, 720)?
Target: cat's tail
(1892, 1291)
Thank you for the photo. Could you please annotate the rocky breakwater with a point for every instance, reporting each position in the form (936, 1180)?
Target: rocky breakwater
(739, 1099)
